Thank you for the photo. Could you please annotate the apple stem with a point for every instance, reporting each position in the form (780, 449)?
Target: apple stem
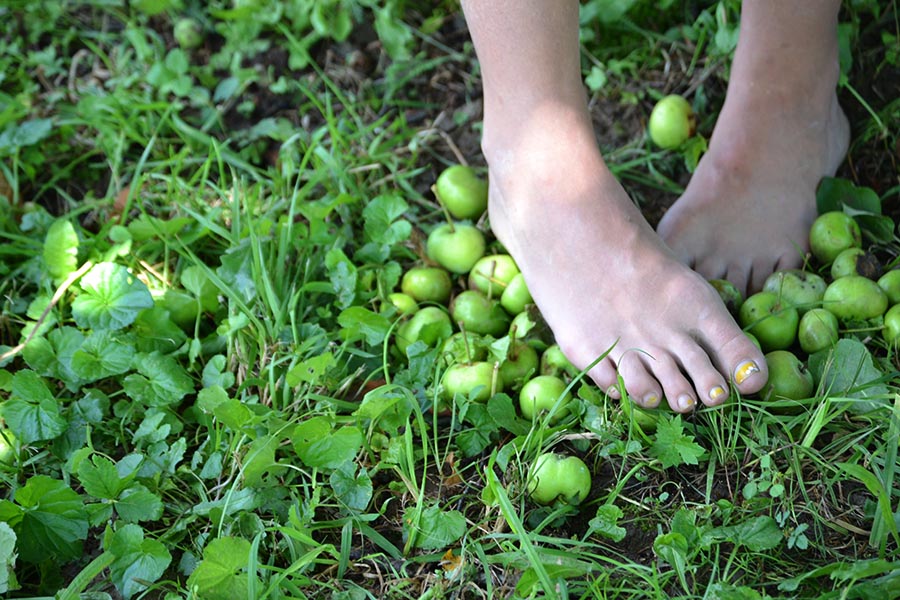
(465, 337)
(490, 278)
(512, 351)
(494, 377)
(443, 208)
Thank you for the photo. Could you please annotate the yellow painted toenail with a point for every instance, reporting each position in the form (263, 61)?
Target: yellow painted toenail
(685, 402)
(745, 370)
(717, 393)
(651, 400)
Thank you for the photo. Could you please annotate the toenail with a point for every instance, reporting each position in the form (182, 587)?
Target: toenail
(745, 370)
(613, 392)
(685, 402)
(717, 393)
(651, 400)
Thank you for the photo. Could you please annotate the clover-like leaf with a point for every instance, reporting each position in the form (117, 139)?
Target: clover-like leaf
(110, 298)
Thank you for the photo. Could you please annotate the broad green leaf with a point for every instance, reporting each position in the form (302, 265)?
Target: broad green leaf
(757, 534)
(154, 331)
(220, 575)
(52, 357)
(101, 356)
(28, 133)
(49, 519)
(395, 35)
(147, 227)
(387, 406)
(214, 373)
(606, 523)
(237, 271)
(343, 276)
(727, 591)
(848, 371)
(352, 488)
(260, 464)
(362, 322)
(31, 412)
(110, 298)
(196, 281)
(673, 549)
(501, 410)
(139, 562)
(61, 249)
(100, 479)
(7, 559)
(433, 528)
(672, 446)
(318, 445)
(160, 381)
(310, 370)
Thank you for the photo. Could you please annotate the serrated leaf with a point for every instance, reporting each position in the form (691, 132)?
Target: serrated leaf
(160, 381)
(219, 576)
(61, 249)
(434, 527)
(101, 356)
(672, 446)
(319, 446)
(99, 478)
(137, 504)
(139, 562)
(31, 412)
(49, 519)
(52, 357)
(110, 298)
(381, 222)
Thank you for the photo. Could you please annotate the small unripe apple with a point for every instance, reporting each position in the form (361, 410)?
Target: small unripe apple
(729, 294)
(188, 33)
(541, 394)
(555, 477)
(890, 283)
(493, 273)
(464, 347)
(891, 332)
(404, 303)
(794, 287)
(427, 284)
(521, 363)
(818, 330)
(462, 192)
(772, 322)
(430, 324)
(855, 298)
(479, 315)
(832, 233)
(855, 261)
(788, 377)
(672, 122)
(516, 295)
(555, 362)
(455, 247)
(473, 378)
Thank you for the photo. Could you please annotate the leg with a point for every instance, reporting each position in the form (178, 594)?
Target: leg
(596, 269)
(749, 205)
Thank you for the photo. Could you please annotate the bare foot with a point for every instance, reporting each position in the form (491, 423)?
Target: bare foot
(602, 277)
(747, 210)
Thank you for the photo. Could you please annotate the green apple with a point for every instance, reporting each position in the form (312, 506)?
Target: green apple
(890, 283)
(541, 394)
(855, 298)
(832, 233)
(464, 347)
(462, 192)
(818, 330)
(404, 303)
(455, 247)
(729, 294)
(800, 289)
(788, 377)
(476, 380)
(672, 122)
(770, 320)
(427, 284)
(492, 274)
(479, 314)
(516, 295)
(855, 261)
(429, 324)
(188, 33)
(643, 418)
(521, 362)
(555, 362)
(891, 331)
(554, 477)
(532, 330)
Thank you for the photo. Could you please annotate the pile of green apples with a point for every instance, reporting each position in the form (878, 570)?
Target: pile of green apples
(803, 311)
(473, 305)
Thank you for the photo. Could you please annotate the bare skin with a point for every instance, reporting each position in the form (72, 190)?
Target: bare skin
(749, 205)
(600, 275)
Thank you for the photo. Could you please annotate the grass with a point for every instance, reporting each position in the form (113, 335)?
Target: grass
(217, 410)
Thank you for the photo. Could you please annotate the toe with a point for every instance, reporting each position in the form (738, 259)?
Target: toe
(711, 268)
(762, 268)
(709, 385)
(641, 386)
(739, 275)
(677, 389)
(604, 375)
(744, 362)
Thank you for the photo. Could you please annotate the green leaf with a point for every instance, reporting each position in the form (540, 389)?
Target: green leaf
(672, 446)
(31, 412)
(395, 35)
(503, 413)
(260, 461)
(343, 276)
(848, 371)
(362, 322)
(596, 79)
(161, 381)
(49, 519)
(61, 249)
(219, 576)
(28, 133)
(237, 271)
(319, 446)
(673, 549)
(101, 356)
(139, 562)
(7, 559)
(606, 523)
(351, 488)
(215, 373)
(389, 406)
(757, 534)
(433, 528)
(137, 504)
(310, 370)
(100, 479)
(110, 298)
(52, 357)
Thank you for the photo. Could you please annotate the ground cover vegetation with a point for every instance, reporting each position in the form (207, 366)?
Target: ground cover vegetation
(230, 358)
